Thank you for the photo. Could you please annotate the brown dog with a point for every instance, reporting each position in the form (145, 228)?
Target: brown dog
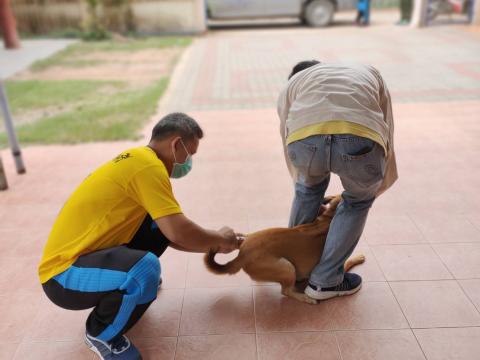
(284, 255)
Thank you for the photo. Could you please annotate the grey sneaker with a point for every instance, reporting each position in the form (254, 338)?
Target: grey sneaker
(350, 285)
(118, 349)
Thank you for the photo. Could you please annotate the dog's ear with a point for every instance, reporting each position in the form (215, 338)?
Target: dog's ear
(327, 199)
(325, 205)
(322, 209)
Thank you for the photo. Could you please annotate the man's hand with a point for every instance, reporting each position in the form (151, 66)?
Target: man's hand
(185, 235)
(232, 240)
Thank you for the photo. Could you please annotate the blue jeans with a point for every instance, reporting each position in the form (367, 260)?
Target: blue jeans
(360, 164)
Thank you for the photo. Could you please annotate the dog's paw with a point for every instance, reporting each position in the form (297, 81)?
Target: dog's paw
(309, 300)
(360, 258)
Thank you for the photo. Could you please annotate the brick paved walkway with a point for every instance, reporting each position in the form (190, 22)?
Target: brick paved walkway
(245, 69)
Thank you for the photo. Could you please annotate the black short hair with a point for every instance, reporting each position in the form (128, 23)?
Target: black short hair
(177, 124)
(302, 65)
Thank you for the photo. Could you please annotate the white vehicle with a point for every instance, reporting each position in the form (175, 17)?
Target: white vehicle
(313, 12)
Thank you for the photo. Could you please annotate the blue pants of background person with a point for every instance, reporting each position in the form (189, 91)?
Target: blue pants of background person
(360, 164)
(363, 12)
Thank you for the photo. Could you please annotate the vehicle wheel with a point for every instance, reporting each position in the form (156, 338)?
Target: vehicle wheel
(319, 13)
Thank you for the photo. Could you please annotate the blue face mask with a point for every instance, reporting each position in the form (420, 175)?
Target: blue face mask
(180, 170)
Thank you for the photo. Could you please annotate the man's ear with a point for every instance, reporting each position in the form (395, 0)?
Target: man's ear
(175, 140)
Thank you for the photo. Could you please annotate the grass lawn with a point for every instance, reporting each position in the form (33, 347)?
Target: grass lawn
(84, 110)
(67, 56)
(34, 94)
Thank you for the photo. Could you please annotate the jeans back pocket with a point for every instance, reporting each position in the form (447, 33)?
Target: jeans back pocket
(364, 161)
(301, 155)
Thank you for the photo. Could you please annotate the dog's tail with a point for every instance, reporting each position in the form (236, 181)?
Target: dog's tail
(230, 267)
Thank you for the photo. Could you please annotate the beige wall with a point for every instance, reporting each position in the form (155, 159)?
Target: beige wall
(169, 15)
(150, 16)
(36, 18)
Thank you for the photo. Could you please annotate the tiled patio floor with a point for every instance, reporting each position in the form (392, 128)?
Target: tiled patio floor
(421, 296)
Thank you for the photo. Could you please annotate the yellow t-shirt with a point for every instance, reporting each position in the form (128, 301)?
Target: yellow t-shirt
(108, 207)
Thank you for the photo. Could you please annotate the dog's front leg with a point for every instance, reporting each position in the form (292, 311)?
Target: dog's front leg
(286, 277)
(278, 270)
(293, 293)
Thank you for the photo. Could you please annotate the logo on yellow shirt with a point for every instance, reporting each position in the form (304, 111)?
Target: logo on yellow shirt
(122, 157)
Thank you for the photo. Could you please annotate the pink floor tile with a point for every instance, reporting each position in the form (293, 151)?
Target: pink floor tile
(410, 262)
(461, 259)
(275, 312)
(29, 216)
(157, 348)
(217, 311)
(373, 307)
(22, 242)
(220, 202)
(474, 218)
(298, 345)
(390, 230)
(239, 225)
(17, 310)
(446, 344)
(255, 224)
(393, 203)
(54, 350)
(379, 345)
(53, 323)
(174, 269)
(472, 289)
(428, 304)
(276, 206)
(369, 270)
(217, 347)
(199, 276)
(8, 350)
(446, 228)
(434, 202)
(162, 317)
(25, 272)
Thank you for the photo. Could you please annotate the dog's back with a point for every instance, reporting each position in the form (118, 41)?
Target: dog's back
(301, 245)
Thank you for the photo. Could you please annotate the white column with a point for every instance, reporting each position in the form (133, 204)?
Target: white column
(419, 15)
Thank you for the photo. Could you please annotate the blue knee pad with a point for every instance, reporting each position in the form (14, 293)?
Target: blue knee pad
(145, 276)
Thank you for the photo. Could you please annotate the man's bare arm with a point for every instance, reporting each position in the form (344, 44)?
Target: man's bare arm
(188, 236)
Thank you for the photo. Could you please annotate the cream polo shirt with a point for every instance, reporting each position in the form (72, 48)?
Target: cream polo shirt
(338, 99)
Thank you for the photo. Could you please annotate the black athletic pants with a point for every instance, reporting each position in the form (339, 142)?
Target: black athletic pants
(119, 283)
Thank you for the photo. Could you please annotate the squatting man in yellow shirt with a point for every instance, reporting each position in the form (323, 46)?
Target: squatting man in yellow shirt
(336, 118)
(104, 246)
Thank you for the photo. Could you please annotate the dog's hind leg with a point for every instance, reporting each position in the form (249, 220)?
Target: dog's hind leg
(281, 271)
(354, 260)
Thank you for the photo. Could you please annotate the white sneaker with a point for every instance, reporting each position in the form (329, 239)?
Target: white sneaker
(350, 285)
